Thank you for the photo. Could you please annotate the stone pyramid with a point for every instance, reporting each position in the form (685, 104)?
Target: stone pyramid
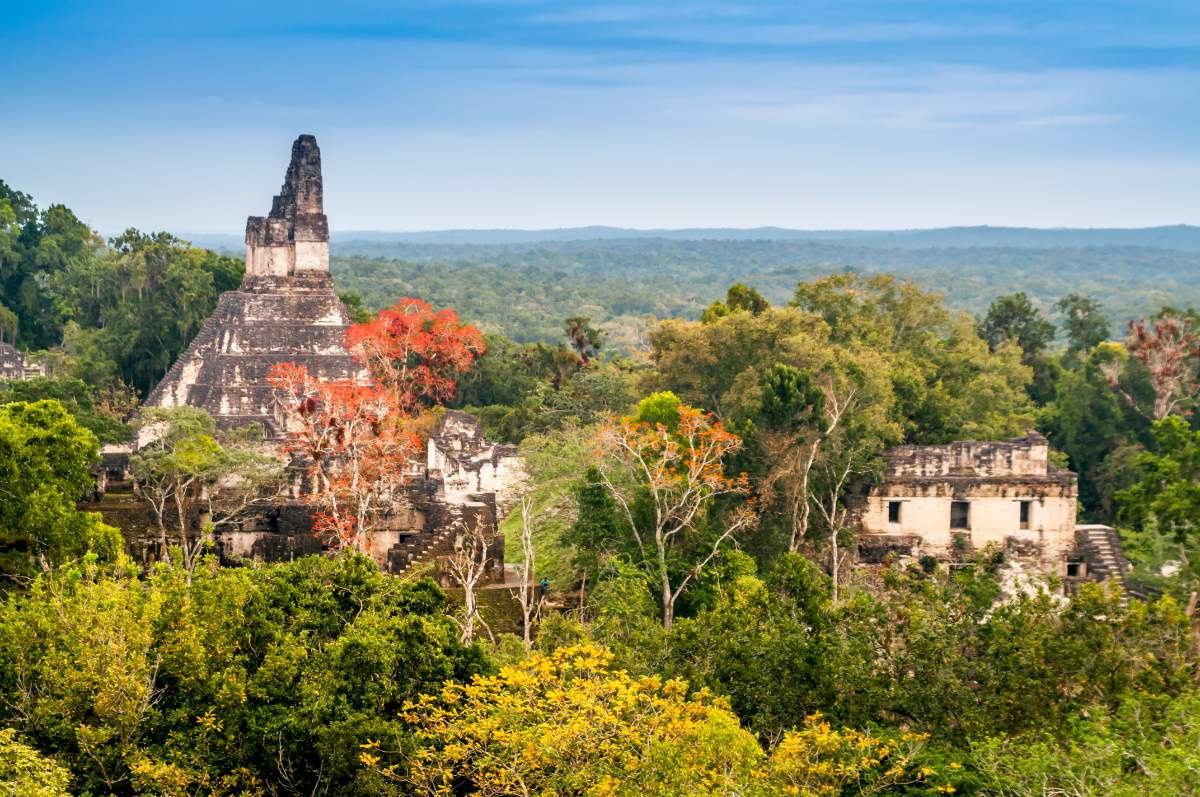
(286, 310)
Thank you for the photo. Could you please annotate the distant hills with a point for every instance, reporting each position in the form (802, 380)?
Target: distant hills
(522, 283)
(1180, 237)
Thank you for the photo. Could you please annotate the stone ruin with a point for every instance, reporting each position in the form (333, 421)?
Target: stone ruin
(15, 366)
(286, 310)
(947, 502)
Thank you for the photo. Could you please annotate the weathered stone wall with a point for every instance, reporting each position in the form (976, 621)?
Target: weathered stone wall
(993, 480)
(468, 464)
(994, 516)
(286, 310)
(1026, 456)
(295, 236)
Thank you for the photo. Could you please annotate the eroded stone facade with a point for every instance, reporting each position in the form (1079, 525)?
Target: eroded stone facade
(951, 500)
(286, 310)
(468, 464)
(15, 366)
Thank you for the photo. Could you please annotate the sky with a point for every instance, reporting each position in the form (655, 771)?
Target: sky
(836, 114)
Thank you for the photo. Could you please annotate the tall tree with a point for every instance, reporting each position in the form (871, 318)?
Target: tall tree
(1014, 318)
(140, 304)
(1168, 490)
(673, 459)
(1167, 349)
(44, 471)
(356, 446)
(738, 297)
(583, 339)
(185, 468)
(794, 424)
(1084, 323)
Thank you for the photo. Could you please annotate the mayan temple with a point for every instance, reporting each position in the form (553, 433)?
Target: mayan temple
(286, 310)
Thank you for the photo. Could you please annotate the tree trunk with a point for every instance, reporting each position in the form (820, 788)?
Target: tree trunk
(668, 602)
(834, 543)
(184, 545)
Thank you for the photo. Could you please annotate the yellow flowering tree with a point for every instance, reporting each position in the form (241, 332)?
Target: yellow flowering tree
(819, 760)
(568, 724)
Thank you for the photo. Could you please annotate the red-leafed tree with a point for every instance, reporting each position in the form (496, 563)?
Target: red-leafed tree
(1168, 348)
(357, 447)
(358, 440)
(416, 352)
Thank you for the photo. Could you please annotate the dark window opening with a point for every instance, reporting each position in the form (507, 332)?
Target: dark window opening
(894, 511)
(1074, 569)
(1026, 507)
(960, 514)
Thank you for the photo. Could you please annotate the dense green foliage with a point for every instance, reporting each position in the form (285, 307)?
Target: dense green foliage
(98, 410)
(26, 772)
(116, 312)
(522, 290)
(243, 682)
(44, 459)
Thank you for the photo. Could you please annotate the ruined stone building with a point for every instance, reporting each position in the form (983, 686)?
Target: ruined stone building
(949, 501)
(286, 310)
(15, 366)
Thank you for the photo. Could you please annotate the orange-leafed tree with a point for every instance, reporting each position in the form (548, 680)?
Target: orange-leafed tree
(671, 458)
(356, 446)
(416, 352)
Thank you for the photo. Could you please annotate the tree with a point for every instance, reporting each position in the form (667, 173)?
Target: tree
(135, 306)
(9, 324)
(528, 594)
(416, 353)
(102, 411)
(248, 682)
(186, 466)
(713, 365)
(1084, 323)
(677, 466)
(738, 297)
(583, 339)
(768, 647)
(1014, 318)
(794, 423)
(948, 383)
(359, 314)
(1095, 426)
(598, 530)
(356, 446)
(26, 772)
(1167, 348)
(45, 458)
(1168, 490)
(1144, 746)
(35, 247)
(568, 724)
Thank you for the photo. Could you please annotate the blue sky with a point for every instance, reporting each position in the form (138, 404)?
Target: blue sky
(519, 113)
